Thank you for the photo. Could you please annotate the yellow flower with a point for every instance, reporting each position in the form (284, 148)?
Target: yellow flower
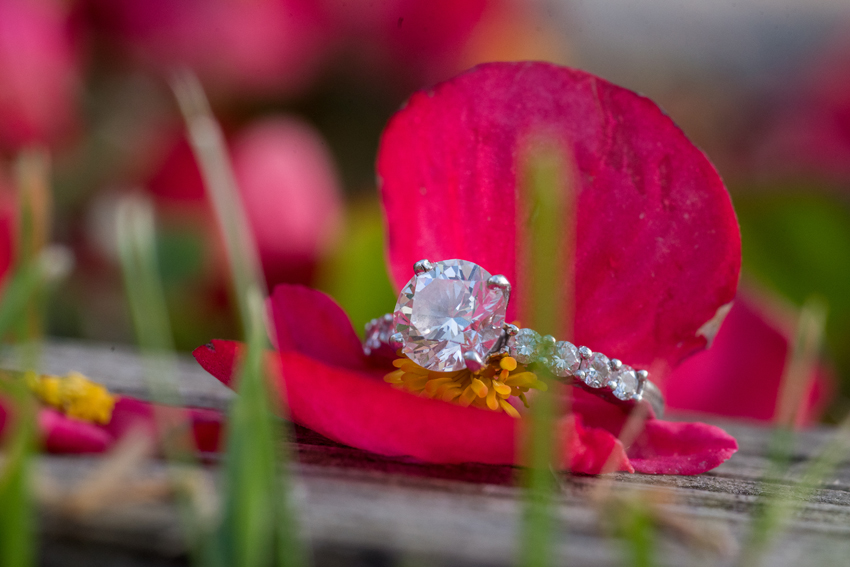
(490, 388)
(74, 395)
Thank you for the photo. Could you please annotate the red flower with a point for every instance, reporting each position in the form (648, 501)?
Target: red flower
(330, 387)
(656, 259)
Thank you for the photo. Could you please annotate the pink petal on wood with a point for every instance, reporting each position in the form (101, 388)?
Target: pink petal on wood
(352, 408)
(658, 246)
(669, 447)
(662, 447)
(62, 434)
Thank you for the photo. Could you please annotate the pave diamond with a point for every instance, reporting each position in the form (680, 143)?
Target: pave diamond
(448, 311)
(565, 359)
(525, 346)
(378, 333)
(625, 383)
(596, 370)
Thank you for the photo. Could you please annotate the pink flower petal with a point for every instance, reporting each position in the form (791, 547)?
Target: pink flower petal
(658, 249)
(741, 374)
(62, 434)
(668, 447)
(290, 192)
(352, 408)
(310, 322)
(662, 447)
(592, 450)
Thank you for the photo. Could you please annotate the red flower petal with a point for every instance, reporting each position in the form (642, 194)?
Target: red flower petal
(658, 249)
(352, 408)
(310, 322)
(593, 448)
(62, 434)
(132, 414)
(741, 374)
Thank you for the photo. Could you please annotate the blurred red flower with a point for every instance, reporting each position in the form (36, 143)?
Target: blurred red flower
(288, 185)
(237, 47)
(38, 73)
(808, 132)
(59, 433)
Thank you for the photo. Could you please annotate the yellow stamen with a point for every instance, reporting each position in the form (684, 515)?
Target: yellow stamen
(508, 408)
(522, 379)
(395, 377)
(490, 388)
(501, 388)
(479, 387)
(75, 395)
(492, 403)
(467, 396)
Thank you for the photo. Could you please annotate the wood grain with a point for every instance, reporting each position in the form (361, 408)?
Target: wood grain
(358, 508)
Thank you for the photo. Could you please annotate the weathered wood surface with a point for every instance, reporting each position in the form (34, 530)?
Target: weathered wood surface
(360, 509)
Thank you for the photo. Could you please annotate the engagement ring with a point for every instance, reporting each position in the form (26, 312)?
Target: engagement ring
(450, 317)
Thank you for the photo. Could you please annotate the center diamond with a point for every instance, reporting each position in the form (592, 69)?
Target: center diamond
(448, 311)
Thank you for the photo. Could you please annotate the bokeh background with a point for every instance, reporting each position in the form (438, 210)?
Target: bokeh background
(303, 89)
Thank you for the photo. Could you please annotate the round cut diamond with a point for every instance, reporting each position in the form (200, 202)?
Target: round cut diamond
(447, 312)
(596, 370)
(565, 359)
(525, 346)
(625, 383)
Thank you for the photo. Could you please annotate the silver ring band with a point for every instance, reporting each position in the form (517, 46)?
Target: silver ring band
(621, 385)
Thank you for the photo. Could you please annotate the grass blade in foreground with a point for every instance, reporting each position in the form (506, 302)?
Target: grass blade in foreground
(17, 514)
(136, 245)
(258, 528)
(544, 189)
(774, 510)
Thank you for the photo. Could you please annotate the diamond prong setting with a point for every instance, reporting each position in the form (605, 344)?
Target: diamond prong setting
(422, 266)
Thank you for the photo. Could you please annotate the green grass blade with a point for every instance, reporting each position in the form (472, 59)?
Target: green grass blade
(17, 513)
(549, 252)
(136, 238)
(774, 509)
(21, 310)
(258, 527)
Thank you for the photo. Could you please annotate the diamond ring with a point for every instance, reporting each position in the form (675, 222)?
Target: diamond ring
(451, 316)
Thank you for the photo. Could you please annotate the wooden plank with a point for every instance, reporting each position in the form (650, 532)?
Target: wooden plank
(359, 508)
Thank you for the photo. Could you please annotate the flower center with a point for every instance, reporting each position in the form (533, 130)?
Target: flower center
(490, 388)
(74, 395)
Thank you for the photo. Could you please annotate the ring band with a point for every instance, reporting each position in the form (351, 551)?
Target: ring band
(450, 315)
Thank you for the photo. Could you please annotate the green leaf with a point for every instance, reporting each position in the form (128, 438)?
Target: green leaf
(355, 274)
